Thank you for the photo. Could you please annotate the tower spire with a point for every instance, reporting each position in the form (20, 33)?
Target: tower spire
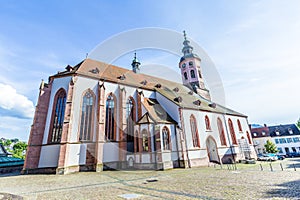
(187, 49)
(190, 69)
(135, 64)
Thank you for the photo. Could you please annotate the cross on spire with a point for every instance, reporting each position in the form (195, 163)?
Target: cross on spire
(187, 48)
(184, 35)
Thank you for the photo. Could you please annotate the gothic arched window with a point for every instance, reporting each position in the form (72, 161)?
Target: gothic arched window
(193, 74)
(166, 138)
(86, 122)
(231, 130)
(137, 142)
(207, 123)
(58, 115)
(249, 137)
(185, 76)
(221, 132)
(145, 141)
(194, 131)
(130, 119)
(110, 124)
(240, 126)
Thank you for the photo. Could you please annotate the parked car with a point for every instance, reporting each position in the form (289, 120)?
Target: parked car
(280, 157)
(292, 154)
(267, 157)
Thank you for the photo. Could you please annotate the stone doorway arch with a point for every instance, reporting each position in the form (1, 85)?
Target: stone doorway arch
(212, 150)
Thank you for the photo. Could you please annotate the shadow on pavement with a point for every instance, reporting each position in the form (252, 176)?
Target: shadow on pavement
(287, 190)
(294, 163)
(16, 173)
(5, 196)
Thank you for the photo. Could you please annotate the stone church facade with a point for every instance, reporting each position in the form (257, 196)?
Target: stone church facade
(96, 116)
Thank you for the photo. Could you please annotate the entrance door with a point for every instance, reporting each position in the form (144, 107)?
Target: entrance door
(212, 150)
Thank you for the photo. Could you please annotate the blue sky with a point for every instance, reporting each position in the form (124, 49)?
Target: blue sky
(255, 46)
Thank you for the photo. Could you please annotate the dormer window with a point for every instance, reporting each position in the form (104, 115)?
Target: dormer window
(254, 134)
(178, 99)
(122, 77)
(277, 132)
(183, 65)
(158, 85)
(212, 105)
(290, 131)
(198, 102)
(263, 133)
(176, 89)
(144, 82)
(191, 63)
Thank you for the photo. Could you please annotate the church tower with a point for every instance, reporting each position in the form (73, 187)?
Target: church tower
(191, 71)
(135, 64)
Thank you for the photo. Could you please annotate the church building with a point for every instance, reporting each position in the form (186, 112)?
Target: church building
(96, 116)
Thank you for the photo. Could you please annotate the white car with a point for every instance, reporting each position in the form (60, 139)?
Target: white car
(267, 157)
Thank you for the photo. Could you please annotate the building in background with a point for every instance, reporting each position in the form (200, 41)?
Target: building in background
(286, 137)
(8, 163)
(96, 116)
(260, 136)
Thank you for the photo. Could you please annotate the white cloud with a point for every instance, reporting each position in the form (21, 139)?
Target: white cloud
(13, 127)
(14, 102)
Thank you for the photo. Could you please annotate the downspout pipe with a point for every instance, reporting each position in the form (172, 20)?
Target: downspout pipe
(229, 141)
(183, 134)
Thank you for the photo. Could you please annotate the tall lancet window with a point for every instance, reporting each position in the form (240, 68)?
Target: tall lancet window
(221, 132)
(86, 123)
(57, 117)
(231, 130)
(194, 130)
(145, 141)
(166, 138)
(207, 123)
(240, 126)
(249, 137)
(130, 119)
(110, 118)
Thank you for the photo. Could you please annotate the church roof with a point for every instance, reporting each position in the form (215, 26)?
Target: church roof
(175, 92)
(146, 119)
(156, 112)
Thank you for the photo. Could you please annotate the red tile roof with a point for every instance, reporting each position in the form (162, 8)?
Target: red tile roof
(171, 90)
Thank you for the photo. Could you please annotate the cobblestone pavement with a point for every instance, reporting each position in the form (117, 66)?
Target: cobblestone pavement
(247, 182)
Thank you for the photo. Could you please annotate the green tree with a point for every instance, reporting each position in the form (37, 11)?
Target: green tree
(6, 143)
(298, 123)
(19, 150)
(270, 147)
